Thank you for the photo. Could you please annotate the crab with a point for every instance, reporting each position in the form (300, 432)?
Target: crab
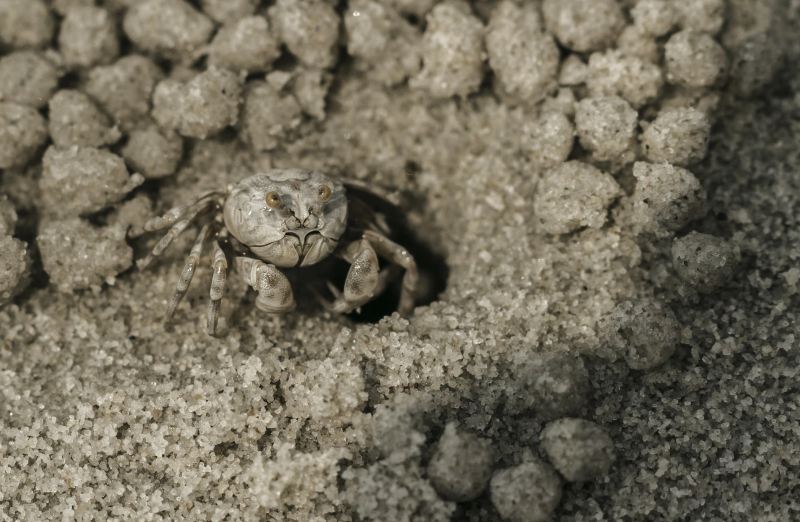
(287, 219)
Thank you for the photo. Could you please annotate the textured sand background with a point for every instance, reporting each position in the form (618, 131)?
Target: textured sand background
(108, 414)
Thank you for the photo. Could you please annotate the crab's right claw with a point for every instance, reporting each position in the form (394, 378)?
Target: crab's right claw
(275, 295)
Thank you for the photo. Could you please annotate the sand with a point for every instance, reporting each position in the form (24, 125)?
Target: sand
(619, 231)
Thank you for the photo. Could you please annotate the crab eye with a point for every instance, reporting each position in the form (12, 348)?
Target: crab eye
(325, 193)
(273, 200)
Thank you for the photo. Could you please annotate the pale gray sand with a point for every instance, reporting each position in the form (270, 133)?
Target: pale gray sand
(109, 414)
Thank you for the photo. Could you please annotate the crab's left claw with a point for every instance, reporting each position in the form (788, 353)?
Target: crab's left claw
(363, 280)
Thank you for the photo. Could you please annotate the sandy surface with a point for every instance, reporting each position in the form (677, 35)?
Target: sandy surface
(106, 413)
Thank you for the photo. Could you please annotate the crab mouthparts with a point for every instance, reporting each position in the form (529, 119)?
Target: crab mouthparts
(306, 239)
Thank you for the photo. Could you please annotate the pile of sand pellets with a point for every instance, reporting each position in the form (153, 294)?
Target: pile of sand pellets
(616, 339)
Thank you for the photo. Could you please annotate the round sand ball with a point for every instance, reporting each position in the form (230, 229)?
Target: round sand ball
(88, 37)
(153, 152)
(168, 100)
(369, 26)
(524, 58)
(654, 17)
(584, 25)
(694, 59)
(27, 78)
(636, 43)
(552, 384)
(381, 38)
(15, 263)
(269, 116)
(82, 180)
(579, 449)
(452, 51)
(77, 255)
(613, 73)
(23, 131)
(678, 136)
(572, 196)
(666, 198)
(562, 101)
(529, 492)
(707, 16)
(244, 45)
(25, 24)
(309, 28)
(225, 11)
(607, 127)
(548, 140)
(74, 119)
(172, 29)
(644, 331)
(124, 88)
(574, 71)
(204, 106)
(310, 87)
(461, 466)
(705, 262)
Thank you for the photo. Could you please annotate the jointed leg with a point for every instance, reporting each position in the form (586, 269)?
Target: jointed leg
(274, 290)
(162, 244)
(175, 214)
(177, 227)
(188, 270)
(399, 255)
(219, 276)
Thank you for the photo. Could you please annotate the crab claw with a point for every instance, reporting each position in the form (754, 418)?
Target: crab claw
(275, 293)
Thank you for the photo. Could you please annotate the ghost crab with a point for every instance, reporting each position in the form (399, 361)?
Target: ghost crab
(286, 219)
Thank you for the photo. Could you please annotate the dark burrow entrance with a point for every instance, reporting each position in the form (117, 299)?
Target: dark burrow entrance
(310, 282)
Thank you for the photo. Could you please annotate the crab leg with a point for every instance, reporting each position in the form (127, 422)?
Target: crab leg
(163, 243)
(173, 215)
(187, 273)
(176, 229)
(400, 256)
(219, 276)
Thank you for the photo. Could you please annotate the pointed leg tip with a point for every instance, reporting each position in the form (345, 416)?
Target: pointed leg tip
(212, 319)
(406, 309)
